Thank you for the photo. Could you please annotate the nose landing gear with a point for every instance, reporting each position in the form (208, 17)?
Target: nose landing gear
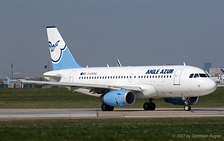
(187, 107)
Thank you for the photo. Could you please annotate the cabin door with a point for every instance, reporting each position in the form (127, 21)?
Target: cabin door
(71, 76)
(177, 77)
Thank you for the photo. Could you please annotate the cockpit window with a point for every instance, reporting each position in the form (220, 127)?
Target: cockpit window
(196, 75)
(191, 75)
(202, 75)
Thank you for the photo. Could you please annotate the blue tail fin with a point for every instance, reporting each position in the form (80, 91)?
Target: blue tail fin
(61, 57)
(8, 80)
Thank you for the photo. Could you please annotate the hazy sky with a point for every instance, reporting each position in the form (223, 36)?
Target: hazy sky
(97, 32)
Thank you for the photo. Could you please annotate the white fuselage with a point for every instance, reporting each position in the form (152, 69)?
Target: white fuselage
(155, 81)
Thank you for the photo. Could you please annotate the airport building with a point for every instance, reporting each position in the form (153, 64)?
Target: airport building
(215, 72)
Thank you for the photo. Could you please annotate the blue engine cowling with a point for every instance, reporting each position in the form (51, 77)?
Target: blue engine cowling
(180, 100)
(118, 98)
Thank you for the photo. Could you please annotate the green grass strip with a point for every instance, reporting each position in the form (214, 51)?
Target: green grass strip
(114, 129)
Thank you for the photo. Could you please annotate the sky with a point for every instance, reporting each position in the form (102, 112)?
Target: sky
(97, 32)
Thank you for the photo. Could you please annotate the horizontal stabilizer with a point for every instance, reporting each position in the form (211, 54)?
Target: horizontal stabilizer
(39, 75)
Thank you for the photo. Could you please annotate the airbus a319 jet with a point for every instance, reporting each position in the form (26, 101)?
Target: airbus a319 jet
(120, 86)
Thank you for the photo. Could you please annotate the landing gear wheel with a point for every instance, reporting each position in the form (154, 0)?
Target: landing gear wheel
(105, 107)
(187, 108)
(146, 106)
(152, 106)
(149, 106)
(111, 108)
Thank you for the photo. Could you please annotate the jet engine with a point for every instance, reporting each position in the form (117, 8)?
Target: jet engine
(118, 98)
(181, 100)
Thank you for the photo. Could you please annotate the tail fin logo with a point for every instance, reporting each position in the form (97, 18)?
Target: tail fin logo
(53, 46)
(56, 50)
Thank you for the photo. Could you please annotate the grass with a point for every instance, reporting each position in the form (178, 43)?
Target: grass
(171, 129)
(62, 98)
(114, 129)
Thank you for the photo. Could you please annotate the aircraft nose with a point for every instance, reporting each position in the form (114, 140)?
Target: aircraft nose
(211, 86)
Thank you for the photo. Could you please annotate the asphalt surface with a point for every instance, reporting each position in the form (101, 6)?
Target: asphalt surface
(29, 114)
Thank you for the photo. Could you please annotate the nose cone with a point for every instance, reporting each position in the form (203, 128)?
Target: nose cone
(210, 86)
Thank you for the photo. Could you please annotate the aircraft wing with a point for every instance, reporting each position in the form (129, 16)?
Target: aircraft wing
(80, 85)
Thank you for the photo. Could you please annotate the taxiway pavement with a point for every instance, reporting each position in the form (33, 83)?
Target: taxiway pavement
(21, 114)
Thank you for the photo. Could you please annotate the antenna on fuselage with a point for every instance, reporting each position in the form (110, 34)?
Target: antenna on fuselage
(119, 63)
(184, 63)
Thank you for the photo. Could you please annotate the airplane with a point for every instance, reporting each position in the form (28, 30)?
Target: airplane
(120, 86)
(8, 80)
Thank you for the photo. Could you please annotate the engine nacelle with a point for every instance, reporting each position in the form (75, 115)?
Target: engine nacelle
(180, 100)
(118, 98)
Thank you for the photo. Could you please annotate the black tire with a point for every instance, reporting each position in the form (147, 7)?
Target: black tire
(111, 108)
(152, 106)
(104, 107)
(146, 106)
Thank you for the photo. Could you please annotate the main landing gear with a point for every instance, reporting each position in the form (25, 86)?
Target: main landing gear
(187, 107)
(149, 105)
(105, 107)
